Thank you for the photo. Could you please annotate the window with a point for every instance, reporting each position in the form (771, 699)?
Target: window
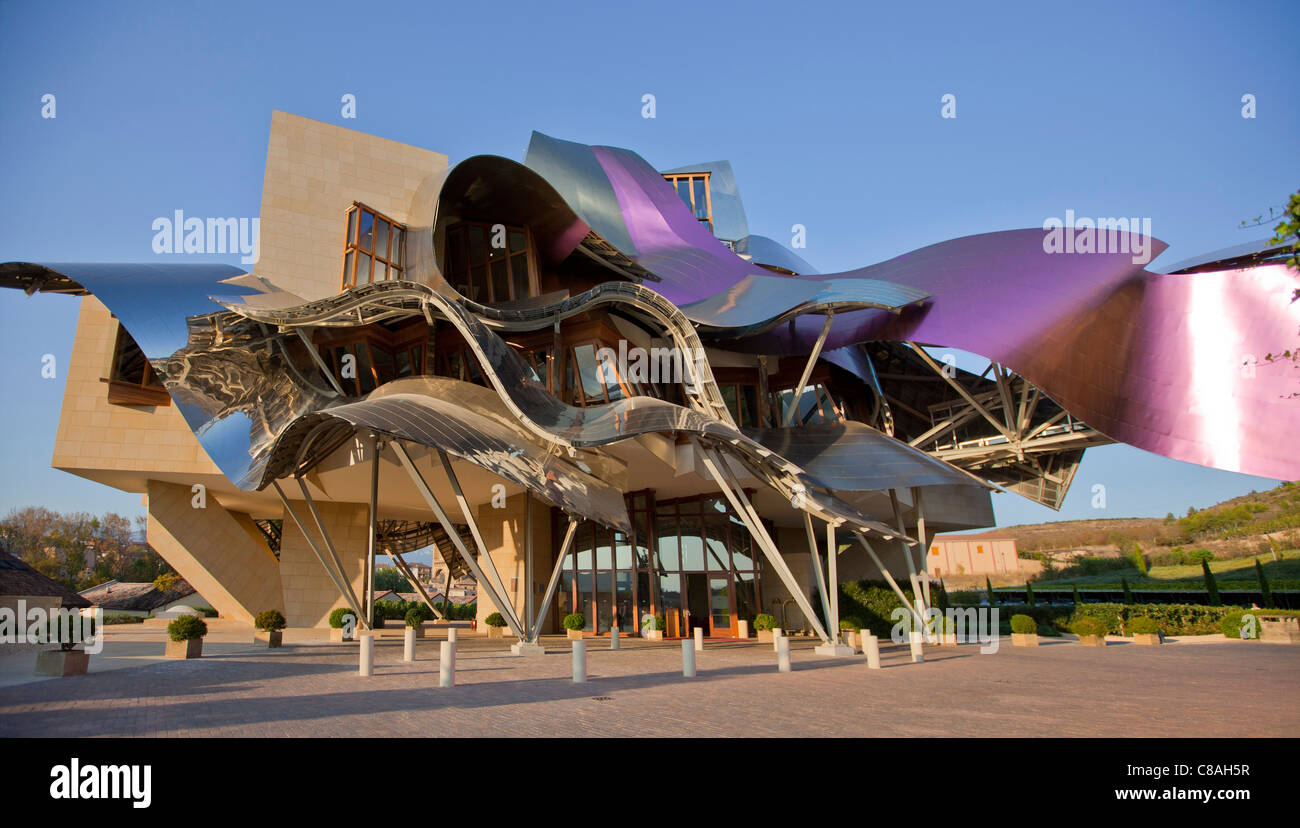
(693, 190)
(131, 380)
(979, 549)
(489, 263)
(366, 359)
(374, 249)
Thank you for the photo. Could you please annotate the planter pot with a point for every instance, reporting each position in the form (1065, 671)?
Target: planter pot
(1147, 639)
(765, 635)
(573, 634)
(379, 624)
(1092, 640)
(496, 632)
(419, 631)
(1024, 639)
(270, 639)
(336, 635)
(192, 648)
(62, 662)
(654, 635)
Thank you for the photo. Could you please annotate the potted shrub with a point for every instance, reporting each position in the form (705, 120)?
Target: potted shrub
(496, 625)
(67, 660)
(573, 624)
(763, 625)
(1024, 631)
(654, 628)
(849, 630)
(415, 618)
(1145, 630)
(185, 637)
(1091, 631)
(341, 630)
(270, 624)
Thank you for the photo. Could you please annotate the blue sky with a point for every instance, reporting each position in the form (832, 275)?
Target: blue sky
(830, 114)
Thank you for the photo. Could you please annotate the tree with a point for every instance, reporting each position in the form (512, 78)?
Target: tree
(1265, 594)
(1128, 594)
(1078, 599)
(1211, 587)
(1029, 594)
(386, 579)
(1139, 560)
(988, 586)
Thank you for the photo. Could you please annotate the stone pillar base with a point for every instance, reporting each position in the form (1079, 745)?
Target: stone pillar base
(524, 648)
(834, 649)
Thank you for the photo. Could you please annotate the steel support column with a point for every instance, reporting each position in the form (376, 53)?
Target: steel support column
(822, 589)
(450, 529)
(372, 539)
(722, 476)
(808, 368)
(552, 584)
(454, 481)
(345, 592)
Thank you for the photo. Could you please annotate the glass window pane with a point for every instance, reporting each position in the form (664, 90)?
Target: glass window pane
(684, 190)
(519, 276)
(352, 228)
(622, 551)
(347, 268)
(365, 372)
(517, 241)
(716, 555)
(746, 596)
(604, 601)
(403, 363)
(363, 268)
(454, 263)
(586, 595)
(585, 356)
(500, 281)
(666, 530)
(367, 231)
(624, 614)
(478, 284)
(398, 238)
(701, 200)
(692, 545)
(670, 591)
(720, 602)
(477, 245)
(604, 552)
(383, 364)
(748, 405)
(381, 239)
(729, 397)
(381, 271)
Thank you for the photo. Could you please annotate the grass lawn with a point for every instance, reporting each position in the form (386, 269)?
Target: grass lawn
(1282, 574)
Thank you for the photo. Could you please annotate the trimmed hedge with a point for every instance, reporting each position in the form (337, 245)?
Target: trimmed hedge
(186, 627)
(1023, 625)
(1087, 625)
(763, 621)
(575, 621)
(270, 621)
(336, 617)
(1143, 625)
(872, 603)
(496, 619)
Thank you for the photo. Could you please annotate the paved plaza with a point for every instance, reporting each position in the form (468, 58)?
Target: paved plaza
(1191, 687)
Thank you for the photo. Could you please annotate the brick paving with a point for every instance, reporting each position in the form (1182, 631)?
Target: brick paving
(1222, 688)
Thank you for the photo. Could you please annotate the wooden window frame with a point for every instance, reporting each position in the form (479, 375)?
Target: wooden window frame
(352, 244)
(529, 255)
(149, 391)
(673, 178)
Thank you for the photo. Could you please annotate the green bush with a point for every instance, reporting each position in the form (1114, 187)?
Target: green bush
(575, 621)
(270, 621)
(659, 624)
(1232, 623)
(851, 623)
(1195, 556)
(873, 603)
(1143, 625)
(763, 621)
(206, 612)
(1023, 625)
(122, 618)
(416, 616)
(1087, 625)
(336, 617)
(988, 587)
(497, 620)
(186, 627)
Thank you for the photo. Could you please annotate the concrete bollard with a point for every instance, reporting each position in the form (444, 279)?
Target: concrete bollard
(367, 655)
(688, 659)
(579, 662)
(699, 639)
(613, 638)
(408, 645)
(447, 664)
(783, 654)
(451, 634)
(871, 646)
(917, 655)
(742, 629)
(777, 635)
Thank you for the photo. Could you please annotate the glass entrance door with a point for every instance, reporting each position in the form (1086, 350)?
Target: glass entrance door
(721, 620)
